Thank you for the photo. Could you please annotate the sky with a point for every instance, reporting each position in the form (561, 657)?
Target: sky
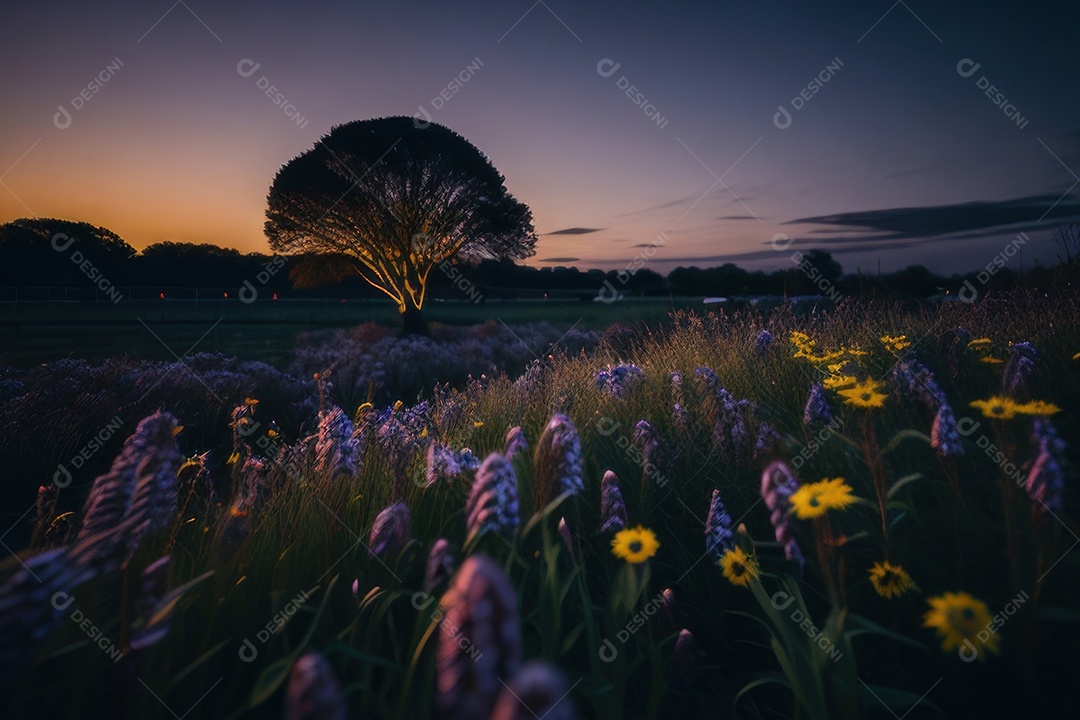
(640, 133)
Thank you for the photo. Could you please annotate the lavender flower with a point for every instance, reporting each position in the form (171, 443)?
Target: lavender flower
(313, 693)
(718, 536)
(914, 378)
(1046, 479)
(678, 406)
(683, 656)
(46, 511)
(778, 483)
(944, 435)
(817, 412)
(767, 441)
(763, 341)
(493, 501)
(515, 442)
(619, 381)
(558, 461)
(567, 537)
(336, 451)
(479, 640)
(136, 497)
(538, 691)
(442, 465)
(391, 531)
(612, 508)
(1018, 369)
(440, 566)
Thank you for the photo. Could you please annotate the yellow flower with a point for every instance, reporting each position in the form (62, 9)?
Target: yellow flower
(958, 619)
(739, 568)
(815, 499)
(864, 395)
(250, 401)
(997, 407)
(979, 341)
(1076, 356)
(1038, 407)
(826, 357)
(856, 352)
(478, 423)
(890, 580)
(800, 339)
(397, 405)
(835, 367)
(990, 359)
(895, 343)
(634, 545)
(838, 381)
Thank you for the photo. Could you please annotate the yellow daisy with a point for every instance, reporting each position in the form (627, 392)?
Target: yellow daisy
(979, 341)
(800, 339)
(739, 568)
(958, 618)
(838, 381)
(997, 407)
(1038, 407)
(856, 352)
(864, 395)
(634, 545)
(895, 343)
(815, 499)
(890, 580)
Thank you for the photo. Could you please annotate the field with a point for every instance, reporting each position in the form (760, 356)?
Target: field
(865, 513)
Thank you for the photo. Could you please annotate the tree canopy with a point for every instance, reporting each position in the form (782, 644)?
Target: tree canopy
(390, 200)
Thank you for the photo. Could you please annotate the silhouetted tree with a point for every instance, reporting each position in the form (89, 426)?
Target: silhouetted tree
(52, 252)
(394, 200)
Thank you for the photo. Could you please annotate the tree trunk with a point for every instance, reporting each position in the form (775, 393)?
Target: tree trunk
(412, 321)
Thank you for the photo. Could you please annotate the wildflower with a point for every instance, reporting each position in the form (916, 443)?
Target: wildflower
(135, 498)
(620, 380)
(566, 535)
(990, 360)
(778, 483)
(895, 343)
(1045, 482)
(1038, 407)
(656, 453)
(443, 464)
(944, 435)
(890, 580)
(612, 508)
(815, 499)
(391, 531)
(539, 690)
(336, 451)
(479, 640)
(313, 691)
(739, 568)
(864, 395)
(683, 655)
(834, 382)
(997, 407)
(1018, 369)
(678, 407)
(558, 461)
(763, 341)
(767, 441)
(515, 442)
(978, 342)
(718, 536)
(916, 380)
(493, 501)
(817, 412)
(958, 618)
(635, 545)
(440, 565)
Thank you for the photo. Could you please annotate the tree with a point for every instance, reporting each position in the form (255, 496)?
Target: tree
(390, 200)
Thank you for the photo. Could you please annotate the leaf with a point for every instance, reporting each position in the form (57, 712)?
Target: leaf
(902, 482)
(269, 680)
(546, 511)
(763, 679)
(160, 619)
(901, 436)
(866, 627)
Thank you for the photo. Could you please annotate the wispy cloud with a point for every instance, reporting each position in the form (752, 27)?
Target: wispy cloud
(575, 231)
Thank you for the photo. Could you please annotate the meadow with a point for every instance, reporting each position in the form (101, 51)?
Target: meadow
(860, 513)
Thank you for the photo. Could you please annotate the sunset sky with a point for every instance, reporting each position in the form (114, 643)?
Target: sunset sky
(153, 119)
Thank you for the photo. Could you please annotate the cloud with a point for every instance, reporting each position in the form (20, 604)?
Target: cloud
(575, 231)
(559, 260)
(737, 217)
(975, 219)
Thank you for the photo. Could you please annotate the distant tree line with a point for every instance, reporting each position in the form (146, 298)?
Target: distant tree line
(56, 253)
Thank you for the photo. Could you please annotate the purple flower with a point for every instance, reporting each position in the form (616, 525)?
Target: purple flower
(559, 464)
(763, 341)
(817, 412)
(493, 501)
(515, 442)
(539, 691)
(313, 693)
(1046, 479)
(916, 380)
(440, 566)
(612, 508)
(778, 483)
(619, 381)
(1018, 369)
(944, 435)
(391, 531)
(336, 450)
(718, 536)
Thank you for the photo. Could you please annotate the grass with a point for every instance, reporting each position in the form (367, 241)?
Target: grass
(954, 523)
